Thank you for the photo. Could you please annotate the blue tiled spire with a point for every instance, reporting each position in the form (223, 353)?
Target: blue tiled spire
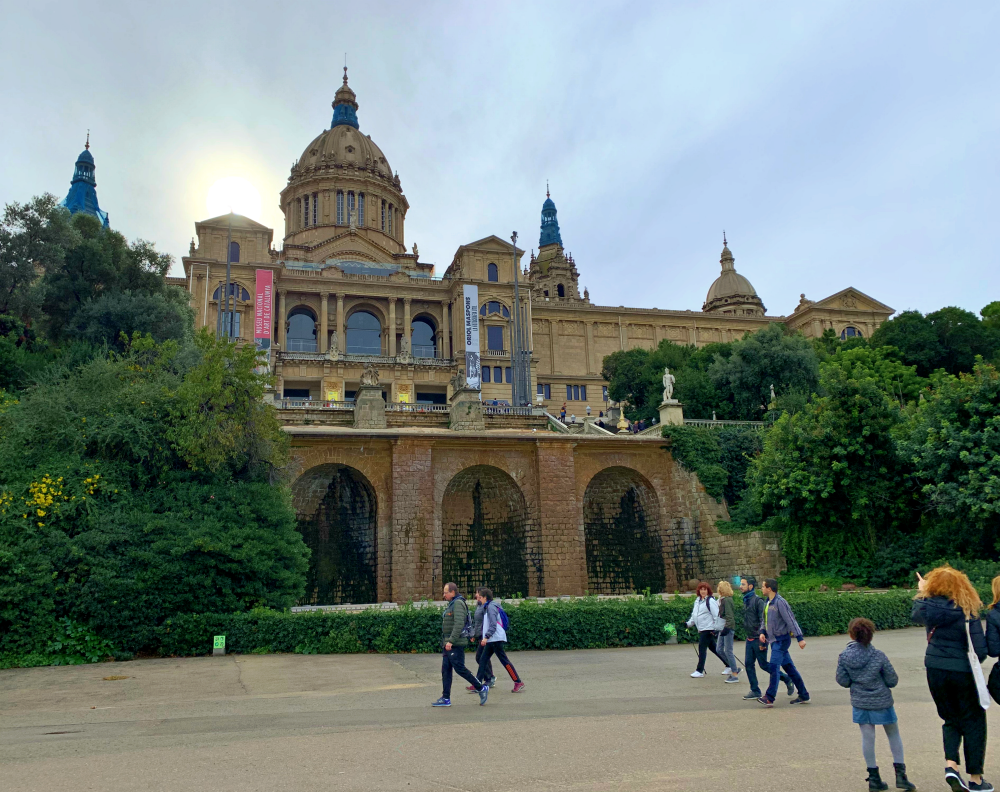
(550, 225)
(82, 195)
(345, 106)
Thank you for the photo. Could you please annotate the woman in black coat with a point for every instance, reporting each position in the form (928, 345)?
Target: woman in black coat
(948, 605)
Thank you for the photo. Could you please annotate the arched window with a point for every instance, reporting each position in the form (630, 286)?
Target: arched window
(560, 290)
(301, 335)
(315, 208)
(364, 334)
(492, 273)
(234, 252)
(850, 332)
(340, 207)
(235, 290)
(305, 210)
(494, 307)
(383, 215)
(361, 209)
(423, 338)
(350, 206)
(390, 220)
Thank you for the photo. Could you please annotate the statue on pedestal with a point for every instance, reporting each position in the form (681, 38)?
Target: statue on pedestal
(668, 385)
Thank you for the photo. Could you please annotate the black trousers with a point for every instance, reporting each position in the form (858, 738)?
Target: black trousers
(957, 700)
(706, 640)
(480, 651)
(496, 648)
(454, 659)
(755, 654)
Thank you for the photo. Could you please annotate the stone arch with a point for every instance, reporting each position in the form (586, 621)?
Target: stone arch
(622, 533)
(337, 511)
(488, 534)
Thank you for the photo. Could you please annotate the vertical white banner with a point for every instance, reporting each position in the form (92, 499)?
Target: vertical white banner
(472, 365)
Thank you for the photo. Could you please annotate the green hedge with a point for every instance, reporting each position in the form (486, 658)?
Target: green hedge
(586, 623)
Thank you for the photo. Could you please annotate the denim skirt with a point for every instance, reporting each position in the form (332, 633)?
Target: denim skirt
(875, 717)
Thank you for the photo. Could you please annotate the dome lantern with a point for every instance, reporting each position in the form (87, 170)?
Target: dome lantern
(731, 293)
(82, 195)
(345, 106)
(550, 225)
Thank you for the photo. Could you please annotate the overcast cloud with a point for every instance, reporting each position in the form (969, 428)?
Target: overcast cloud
(837, 143)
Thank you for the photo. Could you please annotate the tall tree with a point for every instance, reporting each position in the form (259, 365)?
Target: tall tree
(916, 339)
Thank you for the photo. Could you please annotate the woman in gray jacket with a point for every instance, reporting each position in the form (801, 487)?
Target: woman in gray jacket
(869, 674)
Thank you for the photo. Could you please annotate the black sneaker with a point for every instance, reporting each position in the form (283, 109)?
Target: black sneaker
(982, 786)
(955, 780)
(799, 700)
(751, 696)
(789, 686)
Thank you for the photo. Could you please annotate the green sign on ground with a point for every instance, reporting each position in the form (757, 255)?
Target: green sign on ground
(220, 642)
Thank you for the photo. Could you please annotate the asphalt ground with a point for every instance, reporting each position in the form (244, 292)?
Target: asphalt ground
(608, 719)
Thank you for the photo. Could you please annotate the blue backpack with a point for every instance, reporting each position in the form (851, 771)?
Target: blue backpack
(504, 618)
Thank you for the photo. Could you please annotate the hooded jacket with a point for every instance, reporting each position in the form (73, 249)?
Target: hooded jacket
(869, 675)
(453, 622)
(477, 621)
(993, 631)
(753, 614)
(947, 646)
(493, 630)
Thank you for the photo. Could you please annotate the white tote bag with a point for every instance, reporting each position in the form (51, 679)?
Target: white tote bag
(977, 672)
(718, 623)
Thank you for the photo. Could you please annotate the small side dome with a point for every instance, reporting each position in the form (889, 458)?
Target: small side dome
(731, 293)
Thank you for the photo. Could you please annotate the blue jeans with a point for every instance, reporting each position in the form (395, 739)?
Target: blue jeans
(780, 659)
(755, 654)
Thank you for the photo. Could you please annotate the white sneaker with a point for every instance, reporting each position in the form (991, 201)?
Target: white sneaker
(698, 674)
(727, 671)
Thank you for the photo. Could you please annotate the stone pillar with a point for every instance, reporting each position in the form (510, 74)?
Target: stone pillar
(589, 341)
(392, 327)
(445, 334)
(553, 345)
(369, 408)
(415, 574)
(282, 319)
(466, 411)
(672, 413)
(563, 557)
(324, 328)
(341, 340)
(407, 330)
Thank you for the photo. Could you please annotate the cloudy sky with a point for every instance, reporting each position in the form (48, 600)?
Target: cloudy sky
(837, 143)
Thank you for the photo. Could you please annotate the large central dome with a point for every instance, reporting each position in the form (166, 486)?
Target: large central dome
(731, 293)
(343, 144)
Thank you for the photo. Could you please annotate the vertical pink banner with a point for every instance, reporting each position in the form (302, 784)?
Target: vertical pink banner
(262, 319)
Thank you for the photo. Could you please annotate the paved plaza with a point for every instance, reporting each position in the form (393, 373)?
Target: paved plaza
(612, 719)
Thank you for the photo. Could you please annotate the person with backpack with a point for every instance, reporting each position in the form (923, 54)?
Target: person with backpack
(755, 653)
(870, 677)
(948, 606)
(705, 618)
(477, 636)
(456, 629)
(494, 638)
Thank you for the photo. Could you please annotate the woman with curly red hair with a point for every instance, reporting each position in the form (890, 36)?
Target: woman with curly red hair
(704, 616)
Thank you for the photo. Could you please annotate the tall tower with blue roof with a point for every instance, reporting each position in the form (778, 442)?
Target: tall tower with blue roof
(82, 195)
(552, 272)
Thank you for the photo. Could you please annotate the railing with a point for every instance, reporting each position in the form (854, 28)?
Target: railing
(313, 404)
(300, 345)
(496, 353)
(407, 407)
(502, 409)
(378, 360)
(710, 424)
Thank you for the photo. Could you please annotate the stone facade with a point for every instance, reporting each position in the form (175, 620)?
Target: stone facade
(343, 261)
(563, 497)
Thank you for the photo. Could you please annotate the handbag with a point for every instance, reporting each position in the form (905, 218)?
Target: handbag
(719, 624)
(977, 672)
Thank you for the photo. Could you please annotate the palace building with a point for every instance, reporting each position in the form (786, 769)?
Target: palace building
(348, 291)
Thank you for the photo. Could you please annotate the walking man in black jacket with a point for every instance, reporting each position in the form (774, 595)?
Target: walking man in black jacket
(456, 628)
(753, 615)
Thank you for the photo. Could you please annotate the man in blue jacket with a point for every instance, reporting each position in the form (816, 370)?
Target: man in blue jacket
(756, 652)
(777, 628)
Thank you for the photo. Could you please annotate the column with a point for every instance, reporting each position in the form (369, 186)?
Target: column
(445, 333)
(341, 340)
(282, 319)
(324, 327)
(562, 547)
(416, 541)
(589, 342)
(553, 344)
(392, 327)
(407, 332)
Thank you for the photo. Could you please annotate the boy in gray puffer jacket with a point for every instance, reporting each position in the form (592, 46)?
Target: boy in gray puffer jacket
(869, 674)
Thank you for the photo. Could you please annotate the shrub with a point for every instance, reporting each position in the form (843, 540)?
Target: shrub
(585, 623)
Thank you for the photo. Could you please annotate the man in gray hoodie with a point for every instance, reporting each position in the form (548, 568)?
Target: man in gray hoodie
(776, 629)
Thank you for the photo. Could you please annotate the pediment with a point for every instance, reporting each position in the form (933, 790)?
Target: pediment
(349, 245)
(237, 220)
(491, 244)
(851, 299)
